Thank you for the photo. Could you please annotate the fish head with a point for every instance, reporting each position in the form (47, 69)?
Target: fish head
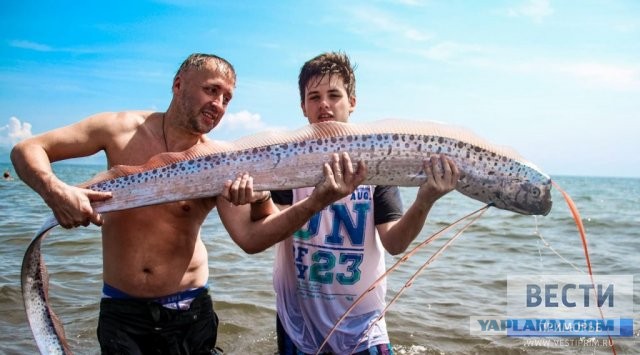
(527, 196)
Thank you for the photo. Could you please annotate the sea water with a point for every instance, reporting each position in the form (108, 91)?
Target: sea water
(432, 316)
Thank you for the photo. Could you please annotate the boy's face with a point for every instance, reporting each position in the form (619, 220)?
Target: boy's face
(326, 99)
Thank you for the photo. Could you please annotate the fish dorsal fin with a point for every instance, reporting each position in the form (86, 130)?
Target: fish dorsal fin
(387, 126)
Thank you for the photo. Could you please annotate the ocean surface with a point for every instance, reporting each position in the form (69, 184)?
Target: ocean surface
(432, 316)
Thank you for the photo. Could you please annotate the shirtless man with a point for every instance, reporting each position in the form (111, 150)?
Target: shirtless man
(155, 269)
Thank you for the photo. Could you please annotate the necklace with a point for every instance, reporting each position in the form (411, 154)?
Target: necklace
(164, 135)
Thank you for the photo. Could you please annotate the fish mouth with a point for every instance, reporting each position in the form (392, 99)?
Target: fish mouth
(546, 204)
(544, 201)
(543, 208)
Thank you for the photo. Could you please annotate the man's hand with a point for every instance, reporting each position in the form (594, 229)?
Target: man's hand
(340, 179)
(71, 205)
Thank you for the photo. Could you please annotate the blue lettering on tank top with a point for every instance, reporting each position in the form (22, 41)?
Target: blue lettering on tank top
(323, 263)
(321, 266)
(300, 265)
(353, 261)
(342, 217)
(361, 193)
(311, 230)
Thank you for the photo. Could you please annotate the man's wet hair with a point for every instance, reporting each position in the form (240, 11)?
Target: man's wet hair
(198, 61)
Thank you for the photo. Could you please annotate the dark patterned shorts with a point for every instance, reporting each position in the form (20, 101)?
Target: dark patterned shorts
(135, 326)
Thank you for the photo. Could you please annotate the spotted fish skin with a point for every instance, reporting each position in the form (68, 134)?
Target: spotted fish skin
(394, 151)
(45, 325)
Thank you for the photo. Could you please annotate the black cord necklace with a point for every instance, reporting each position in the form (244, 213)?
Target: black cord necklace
(164, 135)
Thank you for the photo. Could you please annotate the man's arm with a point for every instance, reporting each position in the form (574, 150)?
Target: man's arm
(442, 176)
(275, 225)
(32, 160)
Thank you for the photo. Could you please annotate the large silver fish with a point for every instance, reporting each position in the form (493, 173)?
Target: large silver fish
(393, 151)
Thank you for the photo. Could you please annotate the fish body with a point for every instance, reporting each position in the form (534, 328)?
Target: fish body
(45, 325)
(394, 151)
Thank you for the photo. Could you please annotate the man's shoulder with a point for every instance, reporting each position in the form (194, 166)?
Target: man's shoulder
(127, 117)
(118, 121)
(132, 115)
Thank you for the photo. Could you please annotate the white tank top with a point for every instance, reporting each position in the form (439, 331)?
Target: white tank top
(324, 268)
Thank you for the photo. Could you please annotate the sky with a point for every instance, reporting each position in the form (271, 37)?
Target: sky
(558, 81)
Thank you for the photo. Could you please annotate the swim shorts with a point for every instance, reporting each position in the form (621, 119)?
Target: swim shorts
(145, 326)
(287, 347)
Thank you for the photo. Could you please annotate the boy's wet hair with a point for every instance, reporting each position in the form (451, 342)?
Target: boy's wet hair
(198, 61)
(330, 63)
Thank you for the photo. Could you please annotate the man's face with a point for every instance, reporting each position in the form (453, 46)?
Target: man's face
(204, 96)
(326, 99)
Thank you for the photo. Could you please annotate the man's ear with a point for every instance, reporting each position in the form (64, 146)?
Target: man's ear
(176, 84)
(304, 110)
(352, 104)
